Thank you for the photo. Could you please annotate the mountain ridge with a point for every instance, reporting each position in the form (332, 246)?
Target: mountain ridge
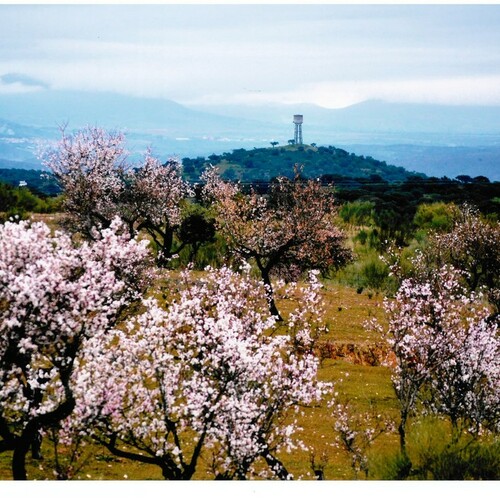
(395, 131)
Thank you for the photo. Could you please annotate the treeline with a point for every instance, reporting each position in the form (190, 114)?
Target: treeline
(394, 205)
(38, 181)
(20, 201)
(393, 193)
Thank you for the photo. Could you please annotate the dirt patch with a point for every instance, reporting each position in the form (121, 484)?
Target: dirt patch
(358, 354)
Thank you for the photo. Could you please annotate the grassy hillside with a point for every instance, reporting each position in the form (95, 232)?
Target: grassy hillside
(253, 165)
(262, 164)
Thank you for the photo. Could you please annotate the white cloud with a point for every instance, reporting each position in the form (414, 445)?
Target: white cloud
(337, 94)
(325, 54)
(16, 88)
(454, 90)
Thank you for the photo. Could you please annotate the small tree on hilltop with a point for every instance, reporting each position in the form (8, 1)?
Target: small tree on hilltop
(288, 231)
(53, 297)
(202, 376)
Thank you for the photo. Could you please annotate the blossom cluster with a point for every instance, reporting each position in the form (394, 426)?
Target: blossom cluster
(446, 351)
(54, 295)
(204, 373)
(473, 245)
(100, 184)
(292, 225)
(89, 166)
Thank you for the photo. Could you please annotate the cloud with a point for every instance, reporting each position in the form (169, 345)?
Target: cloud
(326, 54)
(480, 90)
(18, 82)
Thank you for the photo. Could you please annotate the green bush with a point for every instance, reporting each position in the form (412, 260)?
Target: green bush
(435, 216)
(463, 460)
(375, 274)
(394, 467)
(432, 454)
(20, 201)
(358, 213)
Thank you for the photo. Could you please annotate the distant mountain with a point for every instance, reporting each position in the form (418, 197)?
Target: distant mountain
(375, 117)
(51, 108)
(19, 144)
(423, 118)
(166, 126)
(12, 130)
(396, 132)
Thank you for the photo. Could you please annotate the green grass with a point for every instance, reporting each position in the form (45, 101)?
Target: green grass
(363, 385)
(367, 388)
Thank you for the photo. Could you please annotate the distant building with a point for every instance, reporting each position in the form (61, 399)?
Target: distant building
(22, 183)
(297, 120)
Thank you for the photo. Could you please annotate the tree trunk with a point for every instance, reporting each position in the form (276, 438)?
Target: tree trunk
(23, 445)
(402, 435)
(168, 241)
(276, 466)
(404, 470)
(269, 292)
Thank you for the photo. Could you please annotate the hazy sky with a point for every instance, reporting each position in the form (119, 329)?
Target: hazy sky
(331, 55)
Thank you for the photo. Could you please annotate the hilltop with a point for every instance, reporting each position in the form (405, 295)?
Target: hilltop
(436, 140)
(263, 164)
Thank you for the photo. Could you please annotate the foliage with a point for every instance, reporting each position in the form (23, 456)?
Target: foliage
(285, 233)
(53, 297)
(375, 274)
(263, 164)
(99, 184)
(39, 182)
(202, 375)
(438, 216)
(357, 213)
(196, 230)
(434, 456)
(472, 245)
(445, 352)
(402, 211)
(463, 461)
(19, 201)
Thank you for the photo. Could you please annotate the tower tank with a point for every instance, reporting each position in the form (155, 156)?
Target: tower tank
(298, 120)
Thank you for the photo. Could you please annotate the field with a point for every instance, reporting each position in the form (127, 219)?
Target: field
(351, 358)
(365, 386)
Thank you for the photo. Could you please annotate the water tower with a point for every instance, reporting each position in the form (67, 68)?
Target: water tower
(297, 120)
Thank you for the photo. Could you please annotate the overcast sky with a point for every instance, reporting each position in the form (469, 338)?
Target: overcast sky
(331, 55)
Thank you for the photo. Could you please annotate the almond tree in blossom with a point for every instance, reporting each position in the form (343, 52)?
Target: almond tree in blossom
(288, 231)
(89, 166)
(99, 184)
(205, 375)
(473, 245)
(357, 431)
(446, 352)
(54, 296)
